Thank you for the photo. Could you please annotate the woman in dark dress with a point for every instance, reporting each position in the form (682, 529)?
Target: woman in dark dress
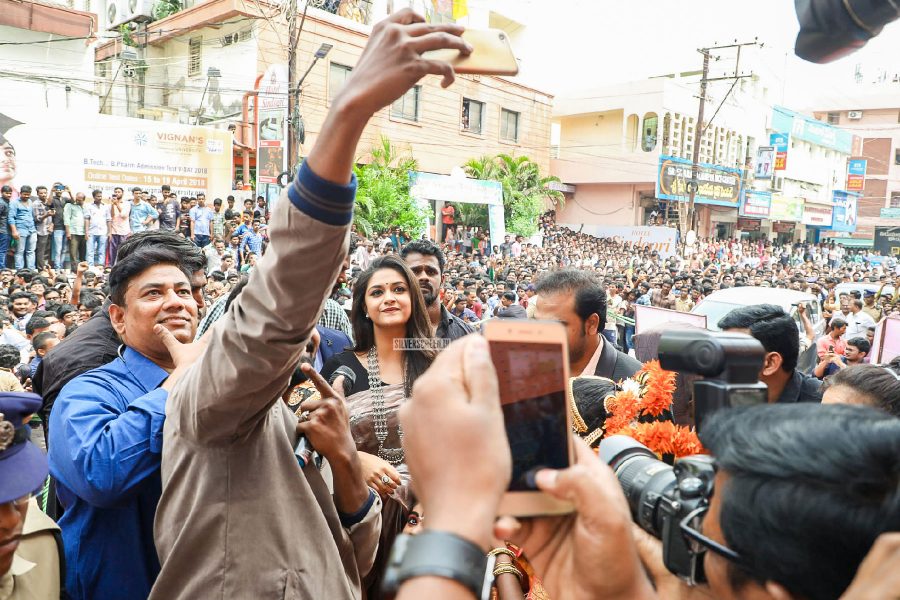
(388, 318)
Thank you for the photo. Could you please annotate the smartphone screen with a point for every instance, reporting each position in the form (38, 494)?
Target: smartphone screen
(533, 398)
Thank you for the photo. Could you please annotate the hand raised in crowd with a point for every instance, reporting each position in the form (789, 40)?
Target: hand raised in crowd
(183, 355)
(81, 269)
(327, 423)
(565, 551)
(456, 406)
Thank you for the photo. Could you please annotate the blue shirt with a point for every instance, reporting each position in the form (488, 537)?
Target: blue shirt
(105, 452)
(253, 241)
(139, 214)
(202, 216)
(21, 215)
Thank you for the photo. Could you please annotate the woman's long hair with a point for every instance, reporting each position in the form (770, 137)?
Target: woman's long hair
(418, 327)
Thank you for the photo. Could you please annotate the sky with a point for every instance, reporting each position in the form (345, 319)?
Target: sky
(580, 44)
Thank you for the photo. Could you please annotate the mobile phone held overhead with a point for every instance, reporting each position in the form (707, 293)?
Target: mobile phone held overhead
(491, 54)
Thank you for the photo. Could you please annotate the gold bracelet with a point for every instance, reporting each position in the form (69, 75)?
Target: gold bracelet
(511, 569)
(506, 551)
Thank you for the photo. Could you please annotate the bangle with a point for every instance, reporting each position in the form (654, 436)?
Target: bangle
(506, 551)
(510, 568)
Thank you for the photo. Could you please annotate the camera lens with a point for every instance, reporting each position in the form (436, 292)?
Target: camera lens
(644, 478)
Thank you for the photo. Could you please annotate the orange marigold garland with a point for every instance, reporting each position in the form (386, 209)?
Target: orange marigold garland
(649, 396)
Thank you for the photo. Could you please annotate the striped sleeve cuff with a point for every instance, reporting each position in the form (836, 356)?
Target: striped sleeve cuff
(323, 200)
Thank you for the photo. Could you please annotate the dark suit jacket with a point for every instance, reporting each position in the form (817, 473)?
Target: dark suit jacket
(331, 342)
(615, 365)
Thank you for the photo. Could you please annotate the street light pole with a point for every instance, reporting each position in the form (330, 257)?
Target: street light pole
(211, 73)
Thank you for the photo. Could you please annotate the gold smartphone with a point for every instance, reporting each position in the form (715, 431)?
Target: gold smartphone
(530, 358)
(491, 54)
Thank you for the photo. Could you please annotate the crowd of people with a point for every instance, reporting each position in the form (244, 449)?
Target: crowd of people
(267, 404)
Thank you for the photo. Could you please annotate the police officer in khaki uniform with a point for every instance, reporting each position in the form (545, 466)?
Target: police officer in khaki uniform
(29, 540)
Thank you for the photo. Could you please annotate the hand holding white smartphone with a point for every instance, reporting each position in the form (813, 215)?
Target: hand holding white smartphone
(532, 370)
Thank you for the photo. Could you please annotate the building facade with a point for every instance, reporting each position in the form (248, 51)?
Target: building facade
(205, 65)
(614, 143)
(875, 118)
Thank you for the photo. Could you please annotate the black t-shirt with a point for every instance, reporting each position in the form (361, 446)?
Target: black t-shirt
(59, 205)
(348, 359)
(168, 214)
(185, 223)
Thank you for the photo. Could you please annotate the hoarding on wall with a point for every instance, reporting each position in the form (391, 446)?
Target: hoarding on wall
(887, 241)
(272, 133)
(845, 206)
(811, 130)
(765, 162)
(756, 204)
(717, 185)
(786, 208)
(817, 215)
(890, 213)
(93, 151)
(660, 239)
(780, 142)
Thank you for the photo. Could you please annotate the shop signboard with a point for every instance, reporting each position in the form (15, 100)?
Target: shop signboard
(780, 142)
(782, 227)
(271, 150)
(716, 185)
(845, 205)
(890, 213)
(765, 162)
(756, 204)
(817, 215)
(887, 241)
(786, 208)
(659, 239)
(811, 130)
(747, 224)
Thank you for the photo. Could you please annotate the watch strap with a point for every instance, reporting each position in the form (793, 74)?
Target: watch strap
(441, 554)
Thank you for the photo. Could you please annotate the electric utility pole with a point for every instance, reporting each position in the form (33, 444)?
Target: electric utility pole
(292, 67)
(700, 127)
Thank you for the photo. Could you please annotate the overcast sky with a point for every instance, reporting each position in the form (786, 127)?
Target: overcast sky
(581, 44)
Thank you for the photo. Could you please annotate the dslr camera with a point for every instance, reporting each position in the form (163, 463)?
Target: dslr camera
(670, 501)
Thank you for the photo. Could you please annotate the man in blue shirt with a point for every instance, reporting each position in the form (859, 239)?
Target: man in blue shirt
(106, 432)
(142, 214)
(201, 217)
(252, 243)
(22, 228)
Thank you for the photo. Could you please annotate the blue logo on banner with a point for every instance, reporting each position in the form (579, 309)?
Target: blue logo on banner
(856, 166)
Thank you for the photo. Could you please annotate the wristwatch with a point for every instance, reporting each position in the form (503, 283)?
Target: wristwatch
(439, 554)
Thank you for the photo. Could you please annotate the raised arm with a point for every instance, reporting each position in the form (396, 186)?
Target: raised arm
(256, 344)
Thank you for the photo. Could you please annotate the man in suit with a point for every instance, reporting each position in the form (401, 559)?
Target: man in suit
(577, 299)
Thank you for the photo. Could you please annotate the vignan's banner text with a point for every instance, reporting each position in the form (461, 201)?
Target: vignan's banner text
(716, 184)
(92, 151)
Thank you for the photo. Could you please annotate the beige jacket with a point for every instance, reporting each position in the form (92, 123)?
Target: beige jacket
(34, 574)
(238, 519)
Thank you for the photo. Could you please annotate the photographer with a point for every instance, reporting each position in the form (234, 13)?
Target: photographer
(824, 472)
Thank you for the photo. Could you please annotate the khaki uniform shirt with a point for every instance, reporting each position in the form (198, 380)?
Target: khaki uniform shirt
(34, 574)
(238, 519)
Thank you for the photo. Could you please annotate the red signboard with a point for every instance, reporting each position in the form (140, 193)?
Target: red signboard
(745, 224)
(780, 161)
(856, 183)
(782, 227)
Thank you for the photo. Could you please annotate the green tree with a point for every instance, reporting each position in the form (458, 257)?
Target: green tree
(382, 194)
(524, 189)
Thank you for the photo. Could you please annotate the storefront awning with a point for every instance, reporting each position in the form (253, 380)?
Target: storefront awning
(853, 242)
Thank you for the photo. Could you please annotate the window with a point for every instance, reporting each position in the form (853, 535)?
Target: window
(509, 125)
(897, 156)
(337, 75)
(472, 115)
(649, 132)
(195, 50)
(407, 106)
(834, 118)
(895, 199)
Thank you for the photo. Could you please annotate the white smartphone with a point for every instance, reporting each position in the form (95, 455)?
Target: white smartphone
(532, 370)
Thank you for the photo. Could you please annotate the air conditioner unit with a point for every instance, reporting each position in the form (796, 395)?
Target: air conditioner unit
(854, 115)
(126, 11)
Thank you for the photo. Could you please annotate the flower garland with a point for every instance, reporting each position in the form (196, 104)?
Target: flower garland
(641, 409)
